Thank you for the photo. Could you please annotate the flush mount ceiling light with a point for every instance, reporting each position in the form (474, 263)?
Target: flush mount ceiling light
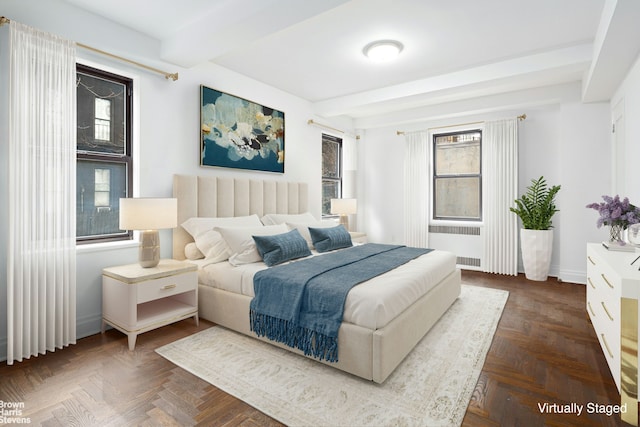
(382, 50)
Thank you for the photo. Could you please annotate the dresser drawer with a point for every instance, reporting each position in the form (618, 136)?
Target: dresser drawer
(166, 286)
(601, 277)
(610, 342)
(606, 324)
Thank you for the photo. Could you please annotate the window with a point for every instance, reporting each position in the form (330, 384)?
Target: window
(331, 171)
(457, 179)
(103, 119)
(103, 188)
(104, 164)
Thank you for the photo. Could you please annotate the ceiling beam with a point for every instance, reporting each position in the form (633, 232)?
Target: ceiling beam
(520, 100)
(616, 47)
(572, 59)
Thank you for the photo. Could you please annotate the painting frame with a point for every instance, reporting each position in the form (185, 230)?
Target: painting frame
(238, 133)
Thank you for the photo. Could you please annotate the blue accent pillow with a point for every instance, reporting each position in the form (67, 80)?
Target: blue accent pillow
(328, 239)
(280, 248)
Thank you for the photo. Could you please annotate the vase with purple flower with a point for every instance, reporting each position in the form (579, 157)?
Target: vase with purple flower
(617, 214)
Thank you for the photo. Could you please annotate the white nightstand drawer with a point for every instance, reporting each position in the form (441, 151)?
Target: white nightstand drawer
(166, 286)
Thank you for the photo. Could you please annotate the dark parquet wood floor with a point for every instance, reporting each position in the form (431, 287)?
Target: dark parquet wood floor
(544, 350)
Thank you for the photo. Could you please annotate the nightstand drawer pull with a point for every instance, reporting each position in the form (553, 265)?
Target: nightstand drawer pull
(590, 282)
(604, 341)
(606, 311)
(605, 279)
(590, 260)
(591, 309)
(166, 287)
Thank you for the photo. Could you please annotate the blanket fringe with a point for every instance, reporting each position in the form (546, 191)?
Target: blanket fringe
(312, 343)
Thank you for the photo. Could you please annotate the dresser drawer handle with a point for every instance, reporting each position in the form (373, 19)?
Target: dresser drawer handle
(605, 279)
(166, 287)
(606, 311)
(604, 340)
(591, 309)
(590, 282)
(591, 260)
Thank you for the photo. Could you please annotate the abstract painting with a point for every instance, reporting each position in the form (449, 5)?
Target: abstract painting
(237, 133)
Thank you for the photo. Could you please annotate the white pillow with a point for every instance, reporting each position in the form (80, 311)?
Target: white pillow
(192, 252)
(273, 219)
(197, 225)
(210, 242)
(303, 228)
(241, 245)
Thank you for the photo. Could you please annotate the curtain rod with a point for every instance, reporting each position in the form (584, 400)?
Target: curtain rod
(172, 76)
(520, 118)
(311, 122)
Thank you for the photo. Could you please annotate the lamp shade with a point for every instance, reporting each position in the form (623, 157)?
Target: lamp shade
(148, 213)
(344, 206)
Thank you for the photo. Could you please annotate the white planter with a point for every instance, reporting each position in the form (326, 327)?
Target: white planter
(536, 246)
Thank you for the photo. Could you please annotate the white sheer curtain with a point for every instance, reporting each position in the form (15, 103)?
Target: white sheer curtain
(500, 189)
(350, 175)
(416, 189)
(41, 267)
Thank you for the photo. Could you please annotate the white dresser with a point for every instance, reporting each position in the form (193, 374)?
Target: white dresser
(613, 290)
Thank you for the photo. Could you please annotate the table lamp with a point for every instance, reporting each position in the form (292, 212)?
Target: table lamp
(148, 215)
(344, 207)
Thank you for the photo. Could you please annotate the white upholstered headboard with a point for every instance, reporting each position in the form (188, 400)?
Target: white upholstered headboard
(210, 196)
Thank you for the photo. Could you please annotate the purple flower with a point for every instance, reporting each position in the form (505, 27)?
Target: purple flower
(613, 211)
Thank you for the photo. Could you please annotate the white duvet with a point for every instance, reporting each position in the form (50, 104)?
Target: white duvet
(371, 304)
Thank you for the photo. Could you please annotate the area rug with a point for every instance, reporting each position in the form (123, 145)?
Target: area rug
(431, 387)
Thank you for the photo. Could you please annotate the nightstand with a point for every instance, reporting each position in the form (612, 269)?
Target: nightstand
(358, 237)
(137, 299)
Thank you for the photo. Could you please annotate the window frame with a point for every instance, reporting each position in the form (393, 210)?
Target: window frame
(337, 179)
(435, 177)
(112, 158)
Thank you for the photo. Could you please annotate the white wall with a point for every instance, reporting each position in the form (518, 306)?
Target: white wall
(168, 131)
(568, 142)
(584, 158)
(629, 95)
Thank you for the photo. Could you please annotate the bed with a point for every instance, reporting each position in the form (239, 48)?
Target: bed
(375, 334)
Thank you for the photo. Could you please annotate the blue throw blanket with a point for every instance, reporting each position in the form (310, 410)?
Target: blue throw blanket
(301, 304)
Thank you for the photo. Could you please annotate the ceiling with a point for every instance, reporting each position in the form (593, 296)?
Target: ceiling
(453, 50)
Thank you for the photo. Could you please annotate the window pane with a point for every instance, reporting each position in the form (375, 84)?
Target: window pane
(330, 190)
(457, 154)
(102, 130)
(102, 199)
(103, 109)
(103, 179)
(330, 159)
(98, 201)
(101, 115)
(457, 198)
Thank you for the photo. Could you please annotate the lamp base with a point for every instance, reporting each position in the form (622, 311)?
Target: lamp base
(344, 220)
(149, 250)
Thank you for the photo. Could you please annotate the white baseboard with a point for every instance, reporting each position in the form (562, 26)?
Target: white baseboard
(573, 276)
(88, 325)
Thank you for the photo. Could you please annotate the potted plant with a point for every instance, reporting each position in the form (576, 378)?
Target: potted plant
(535, 209)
